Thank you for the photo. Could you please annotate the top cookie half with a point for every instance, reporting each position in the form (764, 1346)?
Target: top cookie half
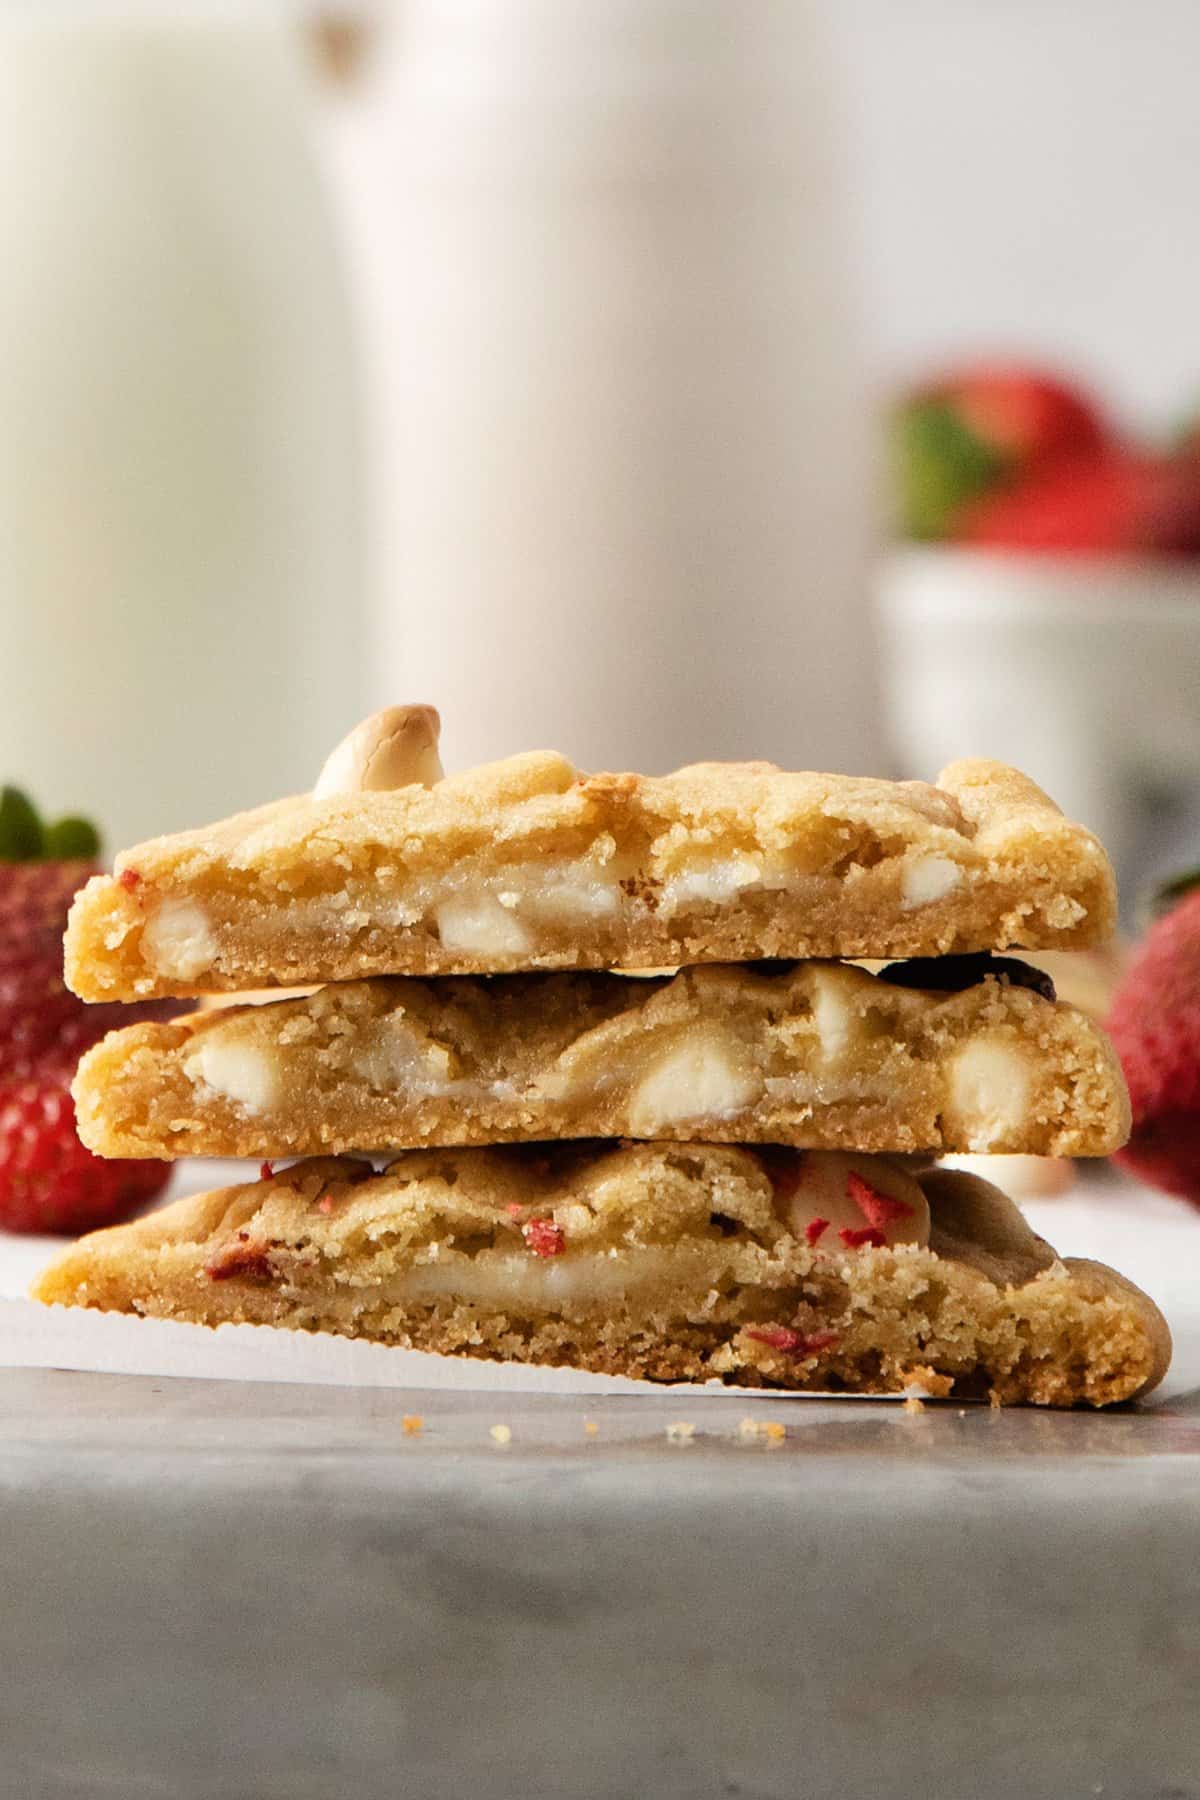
(529, 864)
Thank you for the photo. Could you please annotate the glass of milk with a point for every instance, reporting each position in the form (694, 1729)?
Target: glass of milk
(616, 381)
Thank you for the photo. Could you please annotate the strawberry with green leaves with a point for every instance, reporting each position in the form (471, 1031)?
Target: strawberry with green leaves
(980, 431)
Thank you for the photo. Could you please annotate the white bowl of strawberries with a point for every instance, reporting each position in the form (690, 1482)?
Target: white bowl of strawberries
(1046, 606)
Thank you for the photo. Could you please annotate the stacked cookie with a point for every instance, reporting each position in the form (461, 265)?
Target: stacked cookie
(722, 1171)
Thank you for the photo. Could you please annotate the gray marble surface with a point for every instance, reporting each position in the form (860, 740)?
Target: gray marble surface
(231, 1589)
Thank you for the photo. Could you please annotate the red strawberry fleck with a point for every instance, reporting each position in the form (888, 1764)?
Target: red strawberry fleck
(544, 1237)
(778, 1337)
(514, 1209)
(815, 1229)
(857, 1240)
(879, 1210)
(48, 1181)
(786, 1338)
(248, 1260)
(266, 1171)
(325, 1204)
(129, 879)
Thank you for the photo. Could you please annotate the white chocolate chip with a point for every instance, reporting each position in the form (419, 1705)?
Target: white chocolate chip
(698, 1079)
(178, 940)
(572, 901)
(988, 1093)
(501, 1278)
(927, 879)
(395, 748)
(713, 883)
(242, 1072)
(394, 1059)
(478, 925)
(838, 1026)
(822, 1190)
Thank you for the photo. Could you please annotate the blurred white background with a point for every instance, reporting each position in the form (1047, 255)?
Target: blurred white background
(1024, 178)
(526, 356)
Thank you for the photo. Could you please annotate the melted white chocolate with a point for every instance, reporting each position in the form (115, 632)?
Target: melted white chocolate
(517, 1278)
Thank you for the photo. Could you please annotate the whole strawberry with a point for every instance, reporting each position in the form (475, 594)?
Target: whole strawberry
(1119, 504)
(980, 430)
(48, 1181)
(1155, 1025)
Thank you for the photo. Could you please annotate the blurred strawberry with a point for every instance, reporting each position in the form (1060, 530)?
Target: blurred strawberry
(1120, 504)
(979, 430)
(48, 1181)
(1027, 418)
(1155, 1025)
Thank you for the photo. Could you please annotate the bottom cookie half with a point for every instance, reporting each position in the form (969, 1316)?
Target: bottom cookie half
(673, 1262)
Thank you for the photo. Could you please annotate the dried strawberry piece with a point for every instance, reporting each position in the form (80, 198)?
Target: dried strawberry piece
(514, 1209)
(855, 1240)
(266, 1171)
(879, 1210)
(779, 1337)
(784, 1337)
(544, 1237)
(815, 1229)
(129, 879)
(325, 1204)
(244, 1258)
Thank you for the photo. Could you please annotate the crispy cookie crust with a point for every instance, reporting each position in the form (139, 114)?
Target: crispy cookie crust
(528, 864)
(820, 1055)
(673, 1262)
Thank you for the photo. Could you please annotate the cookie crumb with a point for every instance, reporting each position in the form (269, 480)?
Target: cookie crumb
(774, 1432)
(681, 1432)
(501, 1434)
(914, 1404)
(748, 1428)
(590, 1427)
(411, 1424)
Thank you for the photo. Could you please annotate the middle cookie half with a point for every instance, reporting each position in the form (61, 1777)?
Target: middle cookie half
(818, 1055)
